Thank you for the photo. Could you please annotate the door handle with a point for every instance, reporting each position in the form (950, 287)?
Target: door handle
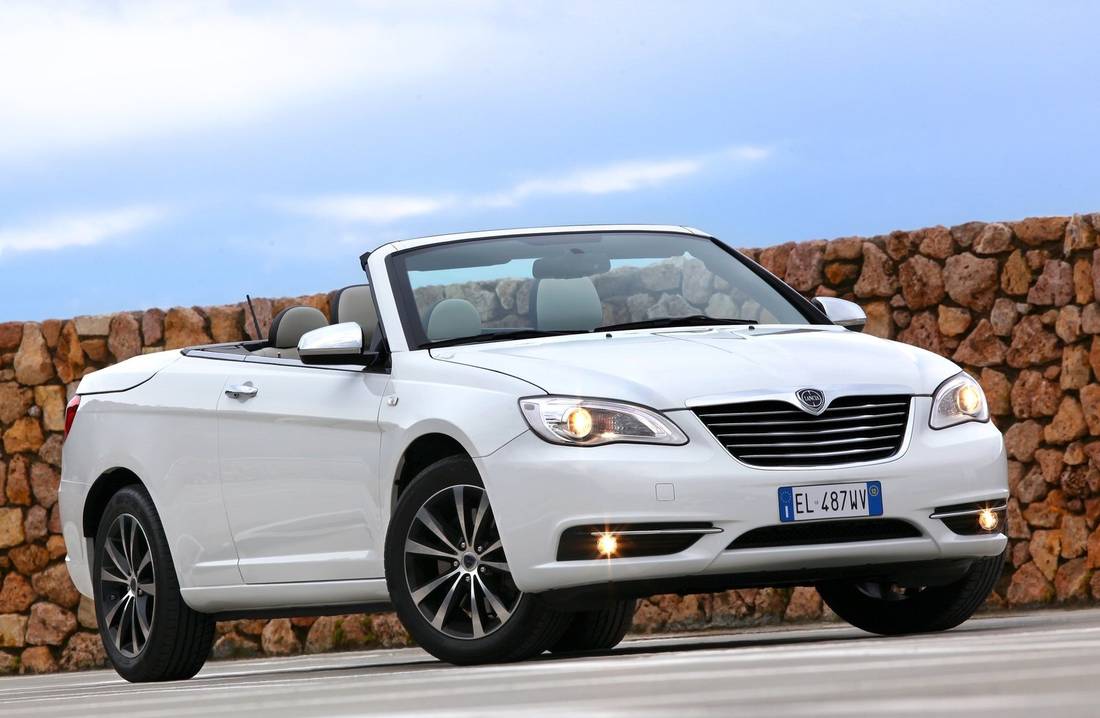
(241, 391)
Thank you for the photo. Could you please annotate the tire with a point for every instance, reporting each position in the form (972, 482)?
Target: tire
(599, 630)
(449, 577)
(149, 633)
(935, 608)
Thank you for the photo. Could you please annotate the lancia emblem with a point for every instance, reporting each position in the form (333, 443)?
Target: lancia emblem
(812, 400)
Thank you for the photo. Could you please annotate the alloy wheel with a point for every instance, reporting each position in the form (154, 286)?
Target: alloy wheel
(455, 565)
(128, 589)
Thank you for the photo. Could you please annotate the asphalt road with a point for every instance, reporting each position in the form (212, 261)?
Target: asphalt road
(1033, 664)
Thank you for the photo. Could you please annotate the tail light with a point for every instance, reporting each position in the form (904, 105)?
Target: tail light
(70, 413)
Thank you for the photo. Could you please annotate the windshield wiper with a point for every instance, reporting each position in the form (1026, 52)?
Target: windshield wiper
(500, 336)
(692, 320)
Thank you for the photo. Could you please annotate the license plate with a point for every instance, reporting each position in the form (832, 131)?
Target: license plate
(830, 501)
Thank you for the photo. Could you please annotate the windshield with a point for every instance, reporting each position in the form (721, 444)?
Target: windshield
(518, 287)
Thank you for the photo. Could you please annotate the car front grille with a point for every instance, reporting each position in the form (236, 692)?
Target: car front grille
(775, 433)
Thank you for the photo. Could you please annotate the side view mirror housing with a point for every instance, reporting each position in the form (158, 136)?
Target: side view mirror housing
(842, 312)
(336, 344)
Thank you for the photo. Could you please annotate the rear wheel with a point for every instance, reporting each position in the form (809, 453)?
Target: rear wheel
(149, 633)
(889, 609)
(598, 630)
(448, 575)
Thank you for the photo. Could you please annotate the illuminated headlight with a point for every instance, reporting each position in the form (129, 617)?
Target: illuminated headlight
(591, 422)
(959, 399)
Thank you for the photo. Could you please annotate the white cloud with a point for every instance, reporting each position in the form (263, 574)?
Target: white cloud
(77, 230)
(629, 176)
(376, 209)
(74, 75)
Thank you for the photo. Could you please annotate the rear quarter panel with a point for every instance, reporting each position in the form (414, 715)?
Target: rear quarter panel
(165, 432)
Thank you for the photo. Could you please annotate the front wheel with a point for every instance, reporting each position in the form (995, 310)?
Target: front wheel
(888, 609)
(448, 575)
(149, 633)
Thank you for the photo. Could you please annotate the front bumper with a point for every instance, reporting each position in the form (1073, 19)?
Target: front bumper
(539, 489)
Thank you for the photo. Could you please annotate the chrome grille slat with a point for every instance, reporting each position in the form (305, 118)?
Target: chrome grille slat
(799, 412)
(816, 454)
(844, 430)
(776, 433)
(831, 442)
(811, 420)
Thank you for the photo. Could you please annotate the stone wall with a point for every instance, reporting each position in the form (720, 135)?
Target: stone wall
(1013, 302)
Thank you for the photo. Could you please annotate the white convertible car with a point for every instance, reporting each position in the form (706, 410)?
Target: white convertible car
(508, 437)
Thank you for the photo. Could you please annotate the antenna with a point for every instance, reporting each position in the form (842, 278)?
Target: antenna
(255, 322)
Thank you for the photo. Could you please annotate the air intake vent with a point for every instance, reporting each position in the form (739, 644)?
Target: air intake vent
(775, 433)
(819, 532)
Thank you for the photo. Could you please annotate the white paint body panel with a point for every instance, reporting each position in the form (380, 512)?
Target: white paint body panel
(299, 463)
(282, 500)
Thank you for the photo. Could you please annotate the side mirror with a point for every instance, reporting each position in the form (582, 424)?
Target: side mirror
(337, 344)
(842, 312)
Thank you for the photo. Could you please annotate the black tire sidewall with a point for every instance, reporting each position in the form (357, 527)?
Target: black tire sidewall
(500, 645)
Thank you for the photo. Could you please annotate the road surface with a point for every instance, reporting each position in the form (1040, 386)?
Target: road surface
(1045, 664)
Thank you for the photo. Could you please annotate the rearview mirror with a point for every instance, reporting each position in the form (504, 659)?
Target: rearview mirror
(337, 344)
(842, 312)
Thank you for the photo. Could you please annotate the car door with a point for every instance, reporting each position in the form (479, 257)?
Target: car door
(298, 448)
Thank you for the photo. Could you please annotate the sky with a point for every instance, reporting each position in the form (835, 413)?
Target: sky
(163, 154)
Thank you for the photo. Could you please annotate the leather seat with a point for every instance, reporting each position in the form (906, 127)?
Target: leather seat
(451, 319)
(287, 329)
(356, 304)
(566, 304)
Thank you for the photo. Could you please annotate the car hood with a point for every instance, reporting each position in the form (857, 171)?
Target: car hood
(673, 369)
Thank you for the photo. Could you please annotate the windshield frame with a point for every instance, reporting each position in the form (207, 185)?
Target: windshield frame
(417, 339)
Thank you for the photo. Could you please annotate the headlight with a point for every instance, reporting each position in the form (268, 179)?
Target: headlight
(591, 422)
(959, 399)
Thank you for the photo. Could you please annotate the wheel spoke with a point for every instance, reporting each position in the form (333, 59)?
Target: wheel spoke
(460, 509)
(428, 520)
(120, 611)
(132, 554)
(498, 608)
(106, 575)
(448, 603)
(149, 589)
(419, 548)
(133, 627)
(145, 561)
(482, 509)
(492, 547)
(109, 617)
(120, 563)
(421, 593)
(143, 622)
(498, 565)
(475, 613)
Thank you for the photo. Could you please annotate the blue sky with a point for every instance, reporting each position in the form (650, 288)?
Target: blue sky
(176, 154)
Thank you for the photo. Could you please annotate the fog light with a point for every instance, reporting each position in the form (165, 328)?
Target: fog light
(988, 519)
(607, 544)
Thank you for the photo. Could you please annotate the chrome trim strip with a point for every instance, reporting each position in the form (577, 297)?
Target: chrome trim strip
(969, 512)
(655, 532)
